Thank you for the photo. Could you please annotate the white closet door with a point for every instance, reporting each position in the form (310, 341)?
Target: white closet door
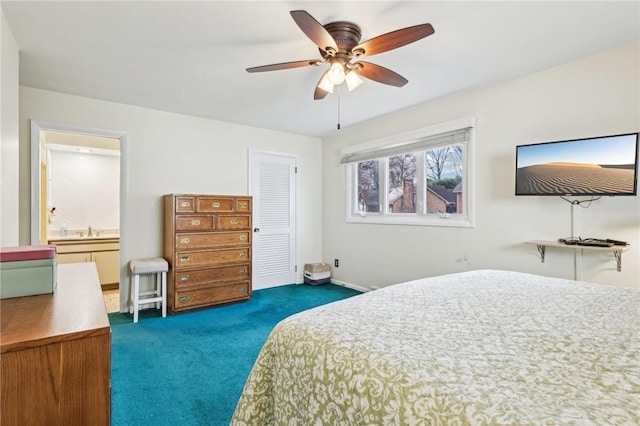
(273, 187)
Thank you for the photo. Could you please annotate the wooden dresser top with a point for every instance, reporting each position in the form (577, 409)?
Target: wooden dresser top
(76, 309)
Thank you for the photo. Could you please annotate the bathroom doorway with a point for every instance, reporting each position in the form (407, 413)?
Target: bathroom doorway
(77, 193)
(80, 186)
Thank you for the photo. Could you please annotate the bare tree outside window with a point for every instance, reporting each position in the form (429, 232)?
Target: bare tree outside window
(436, 162)
(369, 186)
(456, 151)
(444, 168)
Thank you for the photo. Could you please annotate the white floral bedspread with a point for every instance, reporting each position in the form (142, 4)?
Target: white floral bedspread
(476, 348)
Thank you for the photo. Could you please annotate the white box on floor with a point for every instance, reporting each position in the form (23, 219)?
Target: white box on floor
(317, 273)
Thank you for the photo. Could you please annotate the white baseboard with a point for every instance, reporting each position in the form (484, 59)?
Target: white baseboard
(349, 285)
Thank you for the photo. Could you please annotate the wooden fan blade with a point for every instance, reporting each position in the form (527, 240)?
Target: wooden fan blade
(284, 65)
(320, 93)
(314, 30)
(393, 40)
(380, 74)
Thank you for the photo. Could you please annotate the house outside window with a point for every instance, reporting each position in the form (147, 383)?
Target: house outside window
(419, 178)
(402, 183)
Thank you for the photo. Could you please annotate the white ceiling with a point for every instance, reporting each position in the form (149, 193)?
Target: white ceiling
(190, 57)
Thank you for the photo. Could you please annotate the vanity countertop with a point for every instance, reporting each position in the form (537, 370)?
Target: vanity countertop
(71, 239)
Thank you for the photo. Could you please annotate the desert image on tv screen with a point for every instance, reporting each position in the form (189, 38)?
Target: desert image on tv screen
(590, 167)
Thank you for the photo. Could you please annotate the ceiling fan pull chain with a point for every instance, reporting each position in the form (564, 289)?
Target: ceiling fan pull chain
(338, 93)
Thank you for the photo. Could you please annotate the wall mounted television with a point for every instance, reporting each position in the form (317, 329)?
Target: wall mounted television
(597, 166)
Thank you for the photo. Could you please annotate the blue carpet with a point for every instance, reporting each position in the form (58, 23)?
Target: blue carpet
(190, 368)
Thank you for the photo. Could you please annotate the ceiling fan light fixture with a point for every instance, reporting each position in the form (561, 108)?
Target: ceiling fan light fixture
(336, 74)
(325, 84)
(353, 81)
(339, 44)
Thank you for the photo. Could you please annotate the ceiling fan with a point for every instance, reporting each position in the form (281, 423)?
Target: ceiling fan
(339, 44)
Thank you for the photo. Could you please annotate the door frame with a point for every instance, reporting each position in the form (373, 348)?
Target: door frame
(250, 157)
(37, 127)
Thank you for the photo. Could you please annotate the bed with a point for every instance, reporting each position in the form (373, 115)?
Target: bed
(479, 347)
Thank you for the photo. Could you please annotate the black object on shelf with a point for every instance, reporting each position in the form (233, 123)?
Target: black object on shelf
(617, 242)
(592, 242)
(569, 241)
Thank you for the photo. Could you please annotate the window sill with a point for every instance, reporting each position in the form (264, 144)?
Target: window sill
(453, 221)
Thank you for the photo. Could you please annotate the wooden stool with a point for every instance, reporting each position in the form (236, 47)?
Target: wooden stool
(157, 266)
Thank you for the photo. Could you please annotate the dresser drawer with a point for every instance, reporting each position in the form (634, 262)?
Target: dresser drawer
(194, 223)
(233, 222)
(185, 205)
(211, 257)
(214, 204)
(193, 277)
(211, 240)
(243, 205)
(187, 299)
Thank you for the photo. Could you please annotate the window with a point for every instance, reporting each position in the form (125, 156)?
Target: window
(419, 178)
(401, 192)
(369, 186)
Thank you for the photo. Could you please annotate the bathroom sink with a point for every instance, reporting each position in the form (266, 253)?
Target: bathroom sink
(101, 236)
(75, 237)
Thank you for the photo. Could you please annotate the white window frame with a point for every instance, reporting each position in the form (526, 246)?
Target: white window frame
(463, 220)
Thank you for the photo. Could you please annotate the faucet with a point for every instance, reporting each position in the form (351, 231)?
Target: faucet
(90, 233)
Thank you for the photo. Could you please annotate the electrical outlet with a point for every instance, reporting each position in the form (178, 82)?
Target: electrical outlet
(336, 263)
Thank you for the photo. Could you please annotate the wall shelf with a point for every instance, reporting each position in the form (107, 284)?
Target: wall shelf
(542, 246)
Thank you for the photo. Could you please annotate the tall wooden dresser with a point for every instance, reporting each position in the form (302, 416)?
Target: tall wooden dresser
(207, 243)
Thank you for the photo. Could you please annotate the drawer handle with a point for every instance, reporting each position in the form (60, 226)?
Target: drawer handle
(215, 205)
(242, 270)
(184, 240)
(184, 258)
(185, 204)
(243, 237)
(242, 289)
(195, 222)
(234, 221)
(185, 278)
(184, 298)
(242, 254)
(243, 205)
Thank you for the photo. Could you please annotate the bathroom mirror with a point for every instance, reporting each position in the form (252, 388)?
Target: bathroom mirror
(101, 152)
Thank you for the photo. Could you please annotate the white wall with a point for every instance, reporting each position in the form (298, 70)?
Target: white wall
(85, 191)
(172, 153)
(9, 133)
(597, 95)
(175, 153)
